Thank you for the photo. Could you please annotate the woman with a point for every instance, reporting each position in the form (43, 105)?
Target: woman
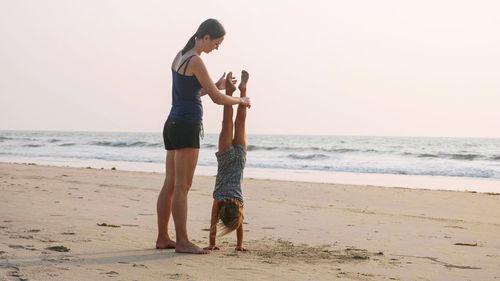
(181, 132)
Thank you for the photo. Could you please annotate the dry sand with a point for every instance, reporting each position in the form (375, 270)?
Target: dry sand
(49, 230)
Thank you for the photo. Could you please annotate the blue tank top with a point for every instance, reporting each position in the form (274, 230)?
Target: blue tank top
(186, 101)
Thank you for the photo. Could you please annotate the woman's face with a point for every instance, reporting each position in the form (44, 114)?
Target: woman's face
(211, 45)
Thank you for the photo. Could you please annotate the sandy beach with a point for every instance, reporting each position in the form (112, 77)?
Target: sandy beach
(51, 228)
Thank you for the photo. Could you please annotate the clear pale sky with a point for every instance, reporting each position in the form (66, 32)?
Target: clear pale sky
(398, 68)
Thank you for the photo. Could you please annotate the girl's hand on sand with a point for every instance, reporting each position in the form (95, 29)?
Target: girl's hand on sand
(245, 101)
(211, 248)
(221, 83)
(240, 248)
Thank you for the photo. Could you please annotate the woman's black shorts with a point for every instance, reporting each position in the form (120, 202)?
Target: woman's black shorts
(179, 134)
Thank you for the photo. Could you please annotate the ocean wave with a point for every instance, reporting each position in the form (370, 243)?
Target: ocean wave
(426, 155)
(257, 147)
(158, 144)
(455, 156)
(340, 150)
(209, 145)
(54, 140)
(308, 156)
(33, 145)
(67, 144)
(302, 149)
(462, 156)
(121, 144)
(5, 138)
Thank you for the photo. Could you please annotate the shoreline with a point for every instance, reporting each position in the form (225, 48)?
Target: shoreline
(461, 184)
(51, 230)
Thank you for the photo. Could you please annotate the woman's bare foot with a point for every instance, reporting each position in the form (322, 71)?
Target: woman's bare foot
(189, 248)
(244, 79)
(165, 243)
(230, 88)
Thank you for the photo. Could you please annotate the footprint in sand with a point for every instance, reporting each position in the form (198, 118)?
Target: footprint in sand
(455, 226)
(111, 273)
(22, 236)
(58, 249)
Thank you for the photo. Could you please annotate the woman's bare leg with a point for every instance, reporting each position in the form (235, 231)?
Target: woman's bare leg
(226, 133)
(240, 136)
(164, 204)
(185, 163)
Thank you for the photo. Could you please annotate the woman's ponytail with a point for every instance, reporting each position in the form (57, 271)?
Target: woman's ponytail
(190, 44)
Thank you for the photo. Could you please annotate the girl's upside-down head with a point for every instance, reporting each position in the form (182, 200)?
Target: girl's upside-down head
(230, 214)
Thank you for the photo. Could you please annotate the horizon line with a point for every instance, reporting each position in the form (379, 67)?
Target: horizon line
(272, 134)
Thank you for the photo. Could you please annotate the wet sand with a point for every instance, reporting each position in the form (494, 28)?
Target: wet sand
(91, 224)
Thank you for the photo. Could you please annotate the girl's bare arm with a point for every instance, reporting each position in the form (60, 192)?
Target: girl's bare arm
(213, 226)
(239, 239)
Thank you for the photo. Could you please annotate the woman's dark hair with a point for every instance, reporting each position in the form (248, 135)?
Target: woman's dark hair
(211, 27)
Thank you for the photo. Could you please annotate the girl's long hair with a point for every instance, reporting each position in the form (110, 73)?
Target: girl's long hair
(230, 215)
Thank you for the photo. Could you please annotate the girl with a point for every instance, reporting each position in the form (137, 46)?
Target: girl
(181, 132)
(231, 157)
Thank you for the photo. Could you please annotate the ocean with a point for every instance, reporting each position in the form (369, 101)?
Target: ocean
(416, 162)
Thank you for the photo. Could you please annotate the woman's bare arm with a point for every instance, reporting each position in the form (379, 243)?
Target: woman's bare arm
(200, 71)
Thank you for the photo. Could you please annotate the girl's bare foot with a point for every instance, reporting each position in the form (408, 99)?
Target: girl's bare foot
(230, 88)
(240, 248)
(244, 80)
(211, 248)
(189, 248)
(165, 243)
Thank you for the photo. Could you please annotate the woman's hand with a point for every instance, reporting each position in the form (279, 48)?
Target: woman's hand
(221, 83)
(245, 101)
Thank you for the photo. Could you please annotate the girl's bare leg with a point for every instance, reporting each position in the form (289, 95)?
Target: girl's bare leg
(185, 163)
(226, 133)
(240, 136)
(164, 204)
